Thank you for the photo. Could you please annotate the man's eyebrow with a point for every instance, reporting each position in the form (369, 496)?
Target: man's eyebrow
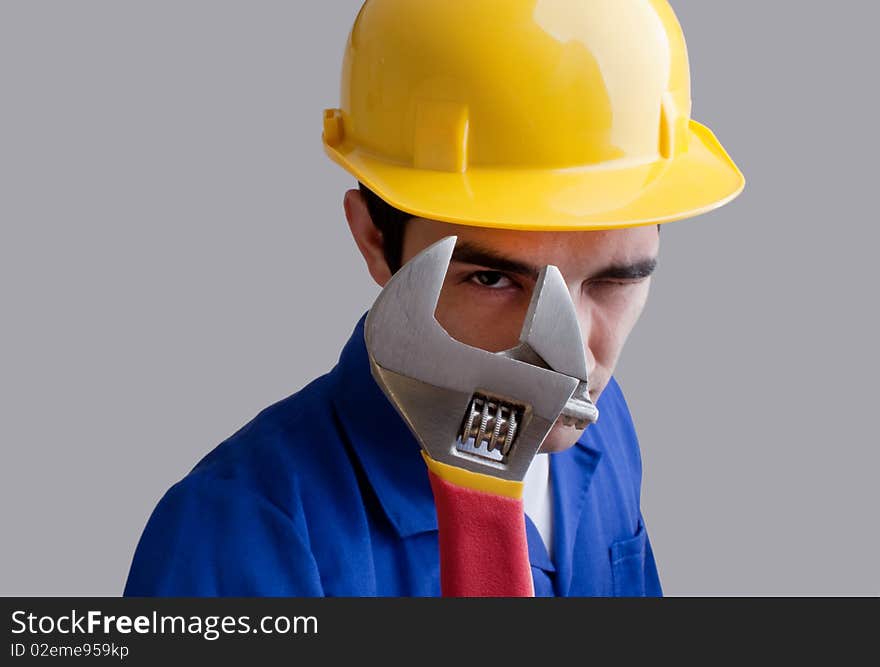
(471, 253)
(632, 271)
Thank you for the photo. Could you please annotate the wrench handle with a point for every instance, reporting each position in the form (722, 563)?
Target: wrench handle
(482, 534)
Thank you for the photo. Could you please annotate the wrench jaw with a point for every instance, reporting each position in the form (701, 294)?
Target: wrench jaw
(436, 383)
(551, 338)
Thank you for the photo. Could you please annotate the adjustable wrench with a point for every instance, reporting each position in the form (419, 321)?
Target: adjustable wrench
(486, 412)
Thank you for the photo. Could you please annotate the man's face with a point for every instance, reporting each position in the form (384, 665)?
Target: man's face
(492, 274)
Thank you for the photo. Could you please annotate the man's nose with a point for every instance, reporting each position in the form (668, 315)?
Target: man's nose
(583, 311)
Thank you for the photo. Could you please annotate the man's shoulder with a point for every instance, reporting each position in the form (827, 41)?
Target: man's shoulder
(235, 524)
(268, 454)
(245, 502)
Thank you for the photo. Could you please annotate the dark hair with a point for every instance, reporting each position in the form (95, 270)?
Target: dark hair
(391, 222)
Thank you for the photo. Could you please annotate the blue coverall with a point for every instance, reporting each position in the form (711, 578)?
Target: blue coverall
(325, 493)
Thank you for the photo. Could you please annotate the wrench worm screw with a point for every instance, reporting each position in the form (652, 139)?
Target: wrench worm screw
(489, 421)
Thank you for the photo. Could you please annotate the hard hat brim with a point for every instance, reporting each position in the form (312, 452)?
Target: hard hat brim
(694, 182)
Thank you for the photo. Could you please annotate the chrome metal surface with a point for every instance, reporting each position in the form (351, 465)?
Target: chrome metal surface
(432, 379)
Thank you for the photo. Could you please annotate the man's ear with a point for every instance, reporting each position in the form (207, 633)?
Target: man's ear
(367, 236)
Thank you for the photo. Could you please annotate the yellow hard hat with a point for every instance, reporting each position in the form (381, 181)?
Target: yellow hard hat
(526, 114)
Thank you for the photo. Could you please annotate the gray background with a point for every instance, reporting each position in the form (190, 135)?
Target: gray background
(174, 258)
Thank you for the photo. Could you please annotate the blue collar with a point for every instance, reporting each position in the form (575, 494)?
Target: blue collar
(390, 457)
(387, 450)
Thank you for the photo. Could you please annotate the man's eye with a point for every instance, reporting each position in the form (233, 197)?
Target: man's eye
(614, 285)
(491, 279)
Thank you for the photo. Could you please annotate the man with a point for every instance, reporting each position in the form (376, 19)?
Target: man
(551, 132)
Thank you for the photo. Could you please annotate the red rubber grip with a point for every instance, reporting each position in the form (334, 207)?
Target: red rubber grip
(483, 546)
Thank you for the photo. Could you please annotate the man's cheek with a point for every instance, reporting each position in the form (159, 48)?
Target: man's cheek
(452, 314)
(482, 323)
(463, 323)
